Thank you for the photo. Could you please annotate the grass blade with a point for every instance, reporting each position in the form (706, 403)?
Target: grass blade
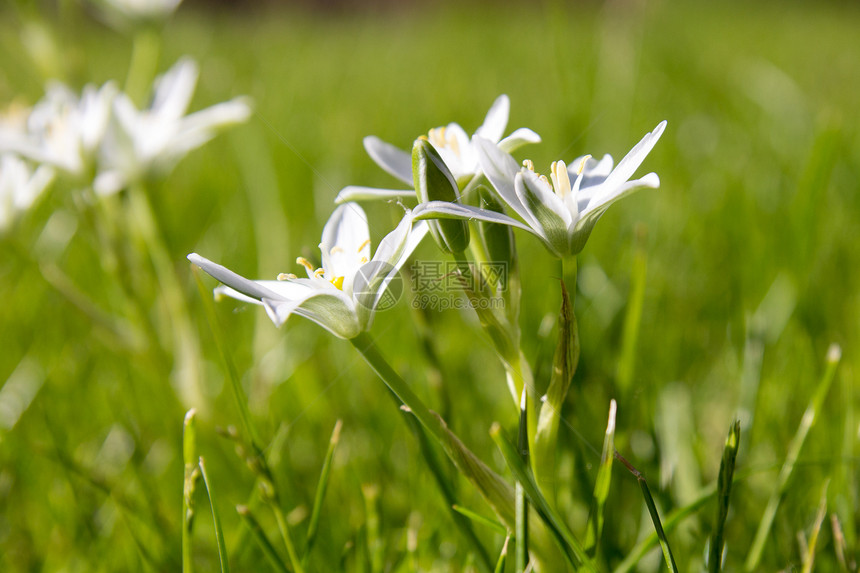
(724, 489)
(565, 539)
(601, 484)
(809, 558)
(192, 474)
(321, 489)
(522, 505)
(503, 557)
(633, 316)
(834, 355)
(232, 373)
(674, 518)
(478, 518)
(219, 535)
(655, 516)
(258, 534)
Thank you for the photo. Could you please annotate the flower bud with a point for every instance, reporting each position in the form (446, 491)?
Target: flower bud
(434, 182)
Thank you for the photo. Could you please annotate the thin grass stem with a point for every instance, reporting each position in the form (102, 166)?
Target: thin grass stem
(655, 515)
(216, 519)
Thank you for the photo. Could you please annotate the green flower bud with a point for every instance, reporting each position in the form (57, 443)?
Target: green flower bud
(434, 182)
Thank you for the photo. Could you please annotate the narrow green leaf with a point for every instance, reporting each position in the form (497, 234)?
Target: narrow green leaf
(503, 557)
(322, 485)
(478, 518)
(564, 365)
(601, 484)
(375, 547)
(260, 536)
(232, 374)
(571, 548)
(724, 488)
(809, 558)
(219, 535)
(669, 524)
(834, 355)
(192, 474)
(655, 516)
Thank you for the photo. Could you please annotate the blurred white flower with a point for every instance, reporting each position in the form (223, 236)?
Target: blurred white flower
(139, 10)
(140, 143)
(19, 187)
(345, 293)
(453, 145)
(62, 130)
(561, 210)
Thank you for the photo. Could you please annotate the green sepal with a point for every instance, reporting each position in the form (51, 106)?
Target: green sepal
(434, 182)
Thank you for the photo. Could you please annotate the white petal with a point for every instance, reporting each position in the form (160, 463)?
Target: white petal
(345, 242)
(358, 193)
(517, 139)
(501, 169)
(393, 160)
(331, 309)
(631, 162)
(496, 120)
(239, 283)
(173, 90)
(445, 210)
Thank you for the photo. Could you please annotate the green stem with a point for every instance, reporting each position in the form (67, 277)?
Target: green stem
(144, 63)
(285, 534)
(187, 352)
(494, 489)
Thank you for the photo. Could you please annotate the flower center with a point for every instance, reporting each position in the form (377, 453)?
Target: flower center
(441, 138)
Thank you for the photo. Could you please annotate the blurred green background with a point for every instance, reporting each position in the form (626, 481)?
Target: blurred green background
(748, 250)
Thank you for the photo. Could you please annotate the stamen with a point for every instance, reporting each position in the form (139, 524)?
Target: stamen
(544, 179)
(560, 179)
(582, 164)
(451, 142)
(286, 276)
(364, 244)
(319, 273)
(362, 260)
(335, 249)
(305, 263)
(337, 282)
(529, 164)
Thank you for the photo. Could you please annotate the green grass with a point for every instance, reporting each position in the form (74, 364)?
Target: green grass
(752, 272)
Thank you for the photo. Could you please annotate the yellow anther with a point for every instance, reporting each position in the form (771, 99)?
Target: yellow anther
(335, 250)
(560, 179)
(452, 143)
(305, 263)
(544, 179)
(286, 276)
(337, 282)
(364, 244)
(529, 164)
(319, 273)
(582, 164)
(362, 260)
(423, 138)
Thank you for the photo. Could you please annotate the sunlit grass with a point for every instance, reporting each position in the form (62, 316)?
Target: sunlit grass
(752, 272)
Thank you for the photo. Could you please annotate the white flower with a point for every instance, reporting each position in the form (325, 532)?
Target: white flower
(453, 144)
(139, 143)
(341, 296)
(62, 130)
(19, 187)
(140, 10)
(561, 210)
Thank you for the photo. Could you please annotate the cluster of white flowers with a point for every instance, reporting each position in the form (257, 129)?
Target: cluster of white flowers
(100, 139)
(561, 211)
